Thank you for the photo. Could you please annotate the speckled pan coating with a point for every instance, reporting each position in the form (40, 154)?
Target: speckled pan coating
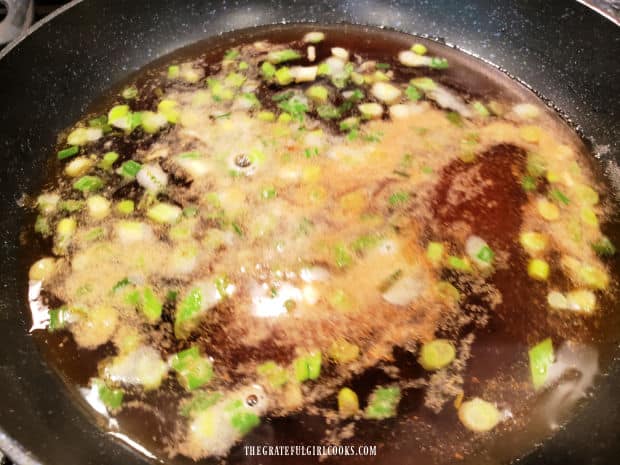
(565, 51)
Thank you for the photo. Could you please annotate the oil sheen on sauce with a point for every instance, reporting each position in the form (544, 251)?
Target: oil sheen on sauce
(499, 318)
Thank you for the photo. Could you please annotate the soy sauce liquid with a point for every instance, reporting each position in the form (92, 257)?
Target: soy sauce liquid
(498, 365)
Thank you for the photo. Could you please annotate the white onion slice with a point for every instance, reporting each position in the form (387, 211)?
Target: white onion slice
(304, 73)
(404, 291)
(152, 178)
(449, 100)
(385, 92)
(411, 59)
(341, 53)
(526, 111)
(144, 366)
(315, 273)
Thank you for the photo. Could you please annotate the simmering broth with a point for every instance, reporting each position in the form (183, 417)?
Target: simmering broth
(234, 243)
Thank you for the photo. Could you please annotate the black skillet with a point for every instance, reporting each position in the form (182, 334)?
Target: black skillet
(565, 51)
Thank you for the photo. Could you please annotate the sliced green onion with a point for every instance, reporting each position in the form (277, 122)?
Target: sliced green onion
(47, 203)
(587, 195)
(111, 398)
(234, 80)
(174, 71)
(547, 210)
(164, 213)
(533, 242)
(455, 118)
(413, 93)
(266, 116)
(479, 415)
(78, 166)
(530, 134)
(170, 110)
(559, 196)
(604, 247)
(328, 111)
(284, 76)
(538, 269)
(458, 263)
(588, 216)
(318, 93)
(419, 49)
(308, 366)
(42, 226)
(244, 422)
(439, 63)
(412, 59)
(199, 402)
(365, 242)
(95, 234)
(71, 206)
(119, 116)
(130, 168)
(82, 136)
(535, 165)
(98, 207)
(385, 92)
(130, 93)
(101, 122)
(88, 184)
(434, 252)
(348, 402)
(314, 37)
(323, 70)
(59, 318)
(383, 403)
(541, 358)
(279, 56)
(231, 54)
(108, 160)
(528, 183)
(152, 122)
(42, 269)
(557, 300)
(593, 276)
(193, 370)
(252, 99)
(354, 95)
(398, 198)
(581, 300)
(424, 83)
(480, 109)
(448, 291)
(342, 351)
(437, 354)
(349, 123)
(342, 257)
(273, 373)
(370, 110)
(486, 254)
(390, 281)
(151, 305)
(125, 207)
(188, 309)
(268, 70)
(269, 193)
(285, 118)
(68, 152)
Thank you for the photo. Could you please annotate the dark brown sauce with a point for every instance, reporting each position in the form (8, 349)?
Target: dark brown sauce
(417, 435)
